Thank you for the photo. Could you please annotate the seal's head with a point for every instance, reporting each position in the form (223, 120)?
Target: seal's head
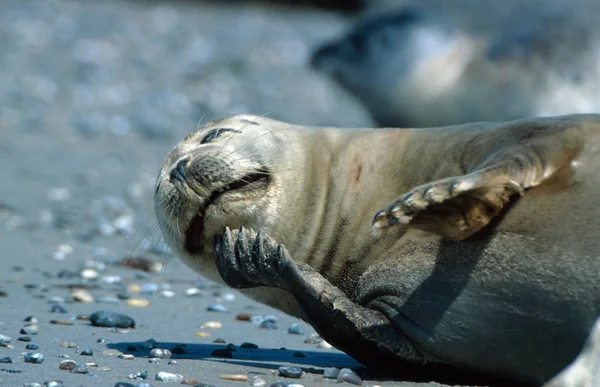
(226, 173)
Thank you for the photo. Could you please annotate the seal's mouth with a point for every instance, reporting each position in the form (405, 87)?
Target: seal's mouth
(194, 236)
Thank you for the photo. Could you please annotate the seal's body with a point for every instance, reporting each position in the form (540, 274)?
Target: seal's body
(474, 246)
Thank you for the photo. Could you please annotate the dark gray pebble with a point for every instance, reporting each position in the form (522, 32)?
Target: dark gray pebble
(3, 293)
(217, 308)
(34, 357)
(11, 370)
(249, 346)
(347, 375)
(6, 360)
(104, 318)
(124, 296)
(267, 324)
(204, 385)
(24, 338)
(31, 319)
(295, 329)
(87, 352)
(290, 372)
(80, 369)
(32, 347)
(331, 372)
(58, 308)
(123, 384)
(278, 384)
(219, 340)
(222, 352)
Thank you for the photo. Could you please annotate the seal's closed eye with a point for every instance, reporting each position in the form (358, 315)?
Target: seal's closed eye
(215, 133)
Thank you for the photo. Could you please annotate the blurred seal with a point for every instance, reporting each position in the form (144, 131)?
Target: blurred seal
(419, 67)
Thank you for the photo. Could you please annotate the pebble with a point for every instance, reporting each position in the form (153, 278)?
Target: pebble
(160, 353)
(169, 378)
(81, 295)
(87, 352)
(54, 383)
(149, 288)
(138, 302)
(324, 345)
(67, 365)
(202, 334)
(80, 369)
(249, 346)
(235, 377)
(24, 338)
(194, 292)
(154, 360)
(111, 279)
(295, 329)
(32, 385)
(30, 330)
(258, 382)
(299, 354)
(217, 308)
(347, 375)
(212, 325)
(104, 318)
(6, 360)
(32, 347)
(167, 293)
(5, 339)
(268, 325)
(126, 356)
(290, 372)
(219, 340)
(143, 375)
(34, 357)
(61, 322)
(244, 317)
(123, 384)
(57, 308)
(89, 274)
(31, 319)
(108, 300)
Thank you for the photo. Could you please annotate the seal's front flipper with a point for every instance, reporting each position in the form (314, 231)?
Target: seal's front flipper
(249, 259)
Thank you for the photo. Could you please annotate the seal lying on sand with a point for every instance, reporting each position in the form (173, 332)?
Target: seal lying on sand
(474, 246)
(422, 67)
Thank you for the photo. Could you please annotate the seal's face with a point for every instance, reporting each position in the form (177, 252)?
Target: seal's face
(218, 176)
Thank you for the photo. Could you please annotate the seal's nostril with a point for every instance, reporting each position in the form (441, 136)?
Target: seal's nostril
(179, 170)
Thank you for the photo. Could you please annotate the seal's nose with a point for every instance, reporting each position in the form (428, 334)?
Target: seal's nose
(178, 171)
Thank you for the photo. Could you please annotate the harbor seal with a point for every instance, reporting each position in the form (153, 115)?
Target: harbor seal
(472, 246)
(439, 63)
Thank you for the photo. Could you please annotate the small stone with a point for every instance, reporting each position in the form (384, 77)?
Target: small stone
(154, 360)
(31, 319)
(268, 325)
(202, 334)
(6, 360)
(313, 340)
(32, 347)
(299, 354)
(295, 329)
(258, 382)
(123, 384)
(149, 288)
(189, 382)
(61, 322)
(138, 302)
(83, 317)
(228, 297)
(54, 383)
(126, 356)
(32, 385)
(219, 340)
(89, 274)
(5, 339)
(235, 377)
(212, 325)
(249, 346)
(111, 319)
(167, 293)
(24, 338)
(324, 345)
(331, 373)
(150, 343)
(67, 365)
(194, 292)
(217, 308)
(87, 352)
(243, 317)
(168, 377)
(160, 353)
(172, 362)
(81, 295)
(290, 372)
(30, 330)
(143, 375)
(347, 375)
(33, 357)
(222, 352)
(80, 369)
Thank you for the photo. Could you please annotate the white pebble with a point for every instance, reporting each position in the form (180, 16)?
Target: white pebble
(169, 378)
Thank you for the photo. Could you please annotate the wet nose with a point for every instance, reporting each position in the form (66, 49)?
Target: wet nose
(178, 171)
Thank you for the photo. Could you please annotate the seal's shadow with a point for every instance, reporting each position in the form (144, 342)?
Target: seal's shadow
(272, 358)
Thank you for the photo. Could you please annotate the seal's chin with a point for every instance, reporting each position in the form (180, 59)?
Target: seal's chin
(194, 236)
